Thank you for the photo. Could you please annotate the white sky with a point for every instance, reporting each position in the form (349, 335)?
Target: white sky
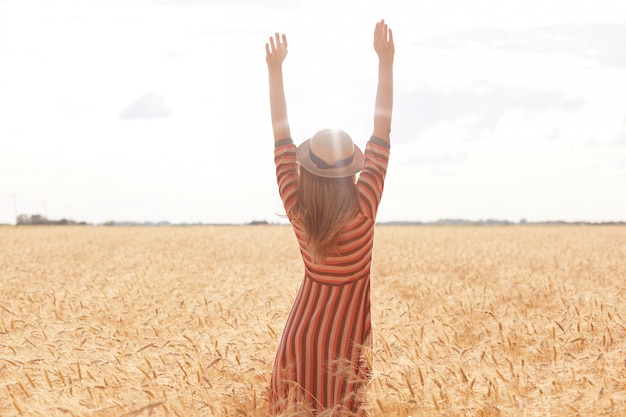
(158, 110)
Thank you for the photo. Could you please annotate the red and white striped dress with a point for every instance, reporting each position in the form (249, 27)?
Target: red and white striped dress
(318, 365)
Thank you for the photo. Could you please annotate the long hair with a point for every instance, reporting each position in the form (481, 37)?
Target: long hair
(324, 207)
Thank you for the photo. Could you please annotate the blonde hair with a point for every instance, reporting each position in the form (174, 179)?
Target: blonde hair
(324, 207)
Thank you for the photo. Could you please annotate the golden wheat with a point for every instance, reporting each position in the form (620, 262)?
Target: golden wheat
(468, 321)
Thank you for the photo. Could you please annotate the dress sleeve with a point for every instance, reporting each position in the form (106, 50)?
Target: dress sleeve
(372, 178)
(286, 175)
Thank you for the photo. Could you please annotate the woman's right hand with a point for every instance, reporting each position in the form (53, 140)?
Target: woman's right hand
(276, 51)
(383, 42)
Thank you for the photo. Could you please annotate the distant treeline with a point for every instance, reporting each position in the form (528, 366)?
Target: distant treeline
(492, 222)
(37, 219)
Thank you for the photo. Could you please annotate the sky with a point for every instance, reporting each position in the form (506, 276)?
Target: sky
(158, 110)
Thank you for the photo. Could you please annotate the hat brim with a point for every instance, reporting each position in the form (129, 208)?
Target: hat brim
(302, 155)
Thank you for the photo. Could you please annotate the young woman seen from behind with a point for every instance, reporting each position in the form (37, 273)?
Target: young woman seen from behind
(319, 366)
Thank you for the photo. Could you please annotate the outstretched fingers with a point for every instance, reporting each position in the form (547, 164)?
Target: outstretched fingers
(383, 41)
(280, 43)
(276, 49)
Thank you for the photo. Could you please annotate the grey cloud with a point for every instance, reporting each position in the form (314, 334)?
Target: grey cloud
(149, 106)
(477, 106)
(554, 135)
(599, 42)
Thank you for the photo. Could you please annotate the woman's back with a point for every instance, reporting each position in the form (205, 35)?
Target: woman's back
(353, 253)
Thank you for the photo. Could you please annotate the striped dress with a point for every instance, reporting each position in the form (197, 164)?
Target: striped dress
(319, 363)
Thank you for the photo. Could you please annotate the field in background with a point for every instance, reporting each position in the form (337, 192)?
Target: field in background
(468, 321)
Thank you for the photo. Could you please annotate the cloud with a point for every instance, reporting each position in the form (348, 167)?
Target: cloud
(477, 106)
(599, 42)
(149, 106)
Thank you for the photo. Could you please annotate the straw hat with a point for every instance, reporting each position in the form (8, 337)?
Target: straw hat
(330, 153)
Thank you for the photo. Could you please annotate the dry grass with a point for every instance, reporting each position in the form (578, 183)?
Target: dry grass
(474, 321)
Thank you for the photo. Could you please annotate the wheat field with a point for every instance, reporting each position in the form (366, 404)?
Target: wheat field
(184, 321)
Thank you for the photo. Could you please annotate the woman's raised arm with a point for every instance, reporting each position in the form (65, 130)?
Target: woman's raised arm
(384, 47)
(276, 51)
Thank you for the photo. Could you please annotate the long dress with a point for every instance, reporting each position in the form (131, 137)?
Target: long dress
(319, 363)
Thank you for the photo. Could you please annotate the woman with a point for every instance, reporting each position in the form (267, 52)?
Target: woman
(319, 364)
